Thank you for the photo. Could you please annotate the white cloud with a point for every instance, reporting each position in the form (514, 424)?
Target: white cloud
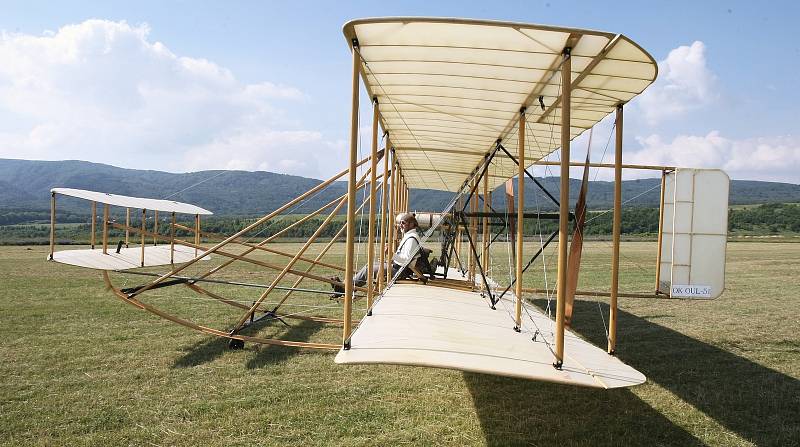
(102, 91)
(684, 83)
(767, 158)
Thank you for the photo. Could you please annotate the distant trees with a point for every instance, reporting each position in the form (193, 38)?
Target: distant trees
(774, 218)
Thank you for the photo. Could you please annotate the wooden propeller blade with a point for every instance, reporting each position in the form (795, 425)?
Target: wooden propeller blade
(576, 247)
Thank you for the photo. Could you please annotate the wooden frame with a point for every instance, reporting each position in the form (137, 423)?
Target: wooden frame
(94, 224)
(372, 205)
(105, 229)
(351, 203)
(520, 220)
(615, 230)
(563, 220)
(52, 224)
(384, 222)
(144, 219)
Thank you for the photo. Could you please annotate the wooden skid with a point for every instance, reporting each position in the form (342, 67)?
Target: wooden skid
(207, 330)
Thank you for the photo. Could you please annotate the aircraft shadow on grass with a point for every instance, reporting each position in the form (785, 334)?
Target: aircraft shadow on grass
(746, 398)
(208, 349)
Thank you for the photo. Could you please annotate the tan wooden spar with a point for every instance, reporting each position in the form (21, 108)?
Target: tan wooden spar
(563, 232)
(373, 177)
(520, 219)
(350, 235)
(384, 222)
(616, 229)
(94, 223)
(52, 223)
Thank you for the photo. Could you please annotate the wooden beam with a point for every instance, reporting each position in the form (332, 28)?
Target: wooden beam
(127, 226)
(340, 200)
(348, 278)
(245, 230)
(310, 267)
(563, 221)
(615, 231)
(105, 228)
(660, 232)
(392, 211)
(52, 224)
(608, 165)
(351, 202)
(94, 223)
(487, 199)
(473, 223)
(155, 226)
(144, 218)
(520, 219)
(269, 266)
(172, 241)
(154, 310)
(196, 232)
(373, 178)
(384, 224)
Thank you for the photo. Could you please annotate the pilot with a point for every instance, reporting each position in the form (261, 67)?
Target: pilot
(408, 252)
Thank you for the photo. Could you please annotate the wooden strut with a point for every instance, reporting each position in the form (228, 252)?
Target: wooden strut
(351, 202)
(390, 218)
(245, 230)
(520, 220)
(319, 256)
(282, 231)
(286, 270)
(473, 207)
(222, 299)
(372, 206)
(266, 249)
(609, 165)
(487, 199)
(616, 227)
(563, 231)
(384, 222)
(144, 218)
(94, 223)
(105, 228)
(235, 257)
(207, 330)
(196, 232)
(322, 226)
(52, 224)
(155, 226)
(660, 230)
(127, 225)
(172, 241)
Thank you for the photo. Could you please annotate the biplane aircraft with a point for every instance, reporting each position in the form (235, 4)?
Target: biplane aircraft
(468, 107)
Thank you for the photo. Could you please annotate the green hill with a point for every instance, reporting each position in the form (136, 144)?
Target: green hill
(25, 186)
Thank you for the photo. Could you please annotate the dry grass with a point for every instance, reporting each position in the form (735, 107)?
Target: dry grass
(79, 367)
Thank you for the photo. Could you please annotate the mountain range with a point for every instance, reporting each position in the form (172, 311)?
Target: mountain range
(25, 185)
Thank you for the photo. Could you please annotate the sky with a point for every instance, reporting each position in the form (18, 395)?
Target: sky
(184, 86)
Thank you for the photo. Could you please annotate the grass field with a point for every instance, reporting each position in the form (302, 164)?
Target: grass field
(80, 367)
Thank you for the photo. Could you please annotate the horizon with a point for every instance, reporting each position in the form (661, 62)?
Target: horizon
(319, 179)
(265, 87)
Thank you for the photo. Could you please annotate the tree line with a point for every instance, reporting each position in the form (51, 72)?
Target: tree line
(776, 218)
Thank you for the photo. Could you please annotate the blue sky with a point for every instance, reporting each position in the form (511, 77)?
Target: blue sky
(184, 86)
